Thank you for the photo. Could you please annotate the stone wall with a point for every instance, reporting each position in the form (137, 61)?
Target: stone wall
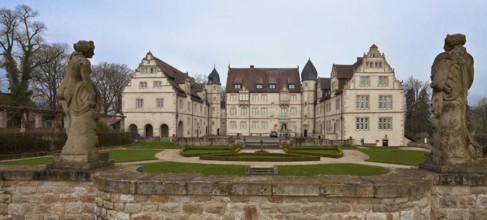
(460, 196)
(37, 193)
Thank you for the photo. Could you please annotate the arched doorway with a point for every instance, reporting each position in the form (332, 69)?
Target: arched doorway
(133, 130)
(305, 132)
(148, 130)
(180, 129)
(164, 130)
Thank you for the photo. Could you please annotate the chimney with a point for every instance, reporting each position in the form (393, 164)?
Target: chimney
(251, 66)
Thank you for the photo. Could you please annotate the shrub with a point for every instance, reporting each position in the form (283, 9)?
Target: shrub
(260, 157)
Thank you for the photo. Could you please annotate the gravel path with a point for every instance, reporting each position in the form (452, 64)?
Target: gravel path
(350, 156)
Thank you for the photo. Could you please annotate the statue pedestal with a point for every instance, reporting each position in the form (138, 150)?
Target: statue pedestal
(453, 169)
(80, 161)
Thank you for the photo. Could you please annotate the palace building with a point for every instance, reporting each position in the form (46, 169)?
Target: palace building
(363, 101)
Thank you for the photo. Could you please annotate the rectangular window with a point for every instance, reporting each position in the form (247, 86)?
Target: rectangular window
(160, 103)
(294, 98)
(233, 112)
(139, 103)
(291, 86)
(272, 86)
(143, 85)
(244, 97)
(237, 86)
(385, 101)
(362, 123)
(383, 81)
(189, 106)
(264, 111)
(258, 86)
(243, 111)
(364, 81)
(337, 104)
(385, 123)
(157, 84)
(255, 125)
(263, 125)
(233, 124)
(255, 98)
(283, 112)
(264, 98)
(362, 102)
(255, 111)
(293, 111)
(243, 125)
(233, 98)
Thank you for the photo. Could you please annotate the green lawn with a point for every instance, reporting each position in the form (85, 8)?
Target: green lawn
(288, 170)
(394, 155)
(205, 169)
(330, 169)
(29, 162)
(130, 155)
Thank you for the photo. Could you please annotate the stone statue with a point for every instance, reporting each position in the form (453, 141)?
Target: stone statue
(80, 100)
(454, 148)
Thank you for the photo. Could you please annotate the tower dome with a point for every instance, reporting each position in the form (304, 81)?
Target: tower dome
(309, 72)
(213, 78)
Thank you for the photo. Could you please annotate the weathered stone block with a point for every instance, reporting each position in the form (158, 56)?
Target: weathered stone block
(216, 208)
(158, 198)
(170, 207)
(166, 188)
(126, 198)
(289, 208)
(251, 189)
(209, 188)
(337, 208)
(193, 208)
(451, 190)
(118, 206)
(376, 216)
(449, 202)
(314, 208)
(149, 207)
(57, 208)
(296, 190)
(481, 201)
(478, 214)
(133, 207)
(74, 208)
(301, 217)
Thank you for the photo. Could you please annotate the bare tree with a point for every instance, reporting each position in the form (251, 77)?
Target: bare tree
(418, 115)
(478, 115)
(20, 40)
(111, 79)
(200, 78)
(47, 77)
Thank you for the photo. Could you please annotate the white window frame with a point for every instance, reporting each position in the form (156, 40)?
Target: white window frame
(139, 103)
(364, 81)
(160, 103)
(362, 102)
(385, 102)
(385, 123)
(362, 123)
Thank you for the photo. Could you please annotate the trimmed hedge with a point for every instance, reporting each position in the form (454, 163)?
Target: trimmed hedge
(269, 157)
(302, 151)
(12, 143)
(208, 150)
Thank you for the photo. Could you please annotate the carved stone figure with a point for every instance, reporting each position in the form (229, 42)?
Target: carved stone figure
(80, 100)
(454, 148)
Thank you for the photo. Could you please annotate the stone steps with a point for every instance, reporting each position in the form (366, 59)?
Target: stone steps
(261, 170)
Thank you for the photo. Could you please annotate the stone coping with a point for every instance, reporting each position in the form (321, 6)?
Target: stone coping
(397, 183)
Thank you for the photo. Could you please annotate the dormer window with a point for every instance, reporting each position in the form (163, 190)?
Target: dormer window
(272, 86)
(258, 86)
(238, 86)
(291, 86)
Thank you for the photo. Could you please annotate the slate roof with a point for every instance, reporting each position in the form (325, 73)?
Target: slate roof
(214, 78)
(250, 77)
(309, 72)
(176, 77)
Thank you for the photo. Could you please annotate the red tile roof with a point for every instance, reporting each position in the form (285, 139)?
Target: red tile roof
(250, 77)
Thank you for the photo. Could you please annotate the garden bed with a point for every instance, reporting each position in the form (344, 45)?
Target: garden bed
(270, 157)
(332, 152)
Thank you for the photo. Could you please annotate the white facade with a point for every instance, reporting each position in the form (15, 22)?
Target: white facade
(363, 101)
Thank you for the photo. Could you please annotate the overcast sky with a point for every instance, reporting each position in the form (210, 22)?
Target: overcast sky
(195, 35)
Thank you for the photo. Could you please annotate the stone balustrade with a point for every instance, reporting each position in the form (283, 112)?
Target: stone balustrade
(37, 193)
